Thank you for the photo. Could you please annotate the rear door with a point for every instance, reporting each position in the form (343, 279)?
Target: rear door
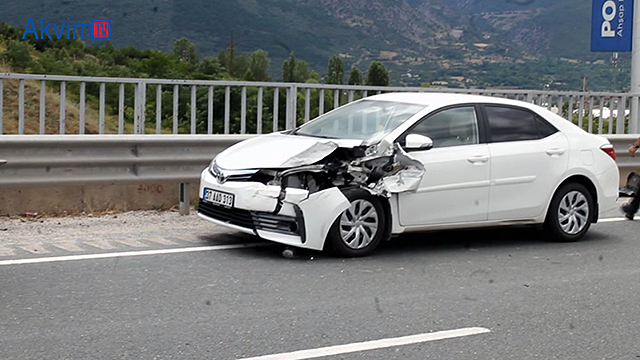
(528, 158)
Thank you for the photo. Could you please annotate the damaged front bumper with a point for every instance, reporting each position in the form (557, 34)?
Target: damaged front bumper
(289, 216)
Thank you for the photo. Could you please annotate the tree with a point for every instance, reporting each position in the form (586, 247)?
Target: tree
(297, 70)
(377, 74)
(236, 65)
(258, 66)
(289, 68)
(301, 72)
(18, 54)
(157, 65)
(210, 66)
(336, 70)
(355, 76)
(185, 51)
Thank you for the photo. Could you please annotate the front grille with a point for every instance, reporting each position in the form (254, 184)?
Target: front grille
(239, 177)
(277, 223)
(250, 219)
(236, 217)
(223, 175)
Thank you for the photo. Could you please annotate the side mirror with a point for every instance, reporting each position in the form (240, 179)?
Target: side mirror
(418, 142)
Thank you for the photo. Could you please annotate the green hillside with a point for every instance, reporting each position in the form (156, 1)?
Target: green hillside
(419, 41)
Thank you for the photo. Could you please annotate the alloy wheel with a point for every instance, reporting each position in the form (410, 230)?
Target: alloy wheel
(573, 212)
(359, 224)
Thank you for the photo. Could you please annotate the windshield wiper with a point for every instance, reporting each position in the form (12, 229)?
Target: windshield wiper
(314, 135)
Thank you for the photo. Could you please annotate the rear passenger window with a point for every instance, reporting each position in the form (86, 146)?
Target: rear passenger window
(512, 124)
(545, 129)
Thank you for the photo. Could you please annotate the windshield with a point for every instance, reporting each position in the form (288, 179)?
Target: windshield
(361, 120)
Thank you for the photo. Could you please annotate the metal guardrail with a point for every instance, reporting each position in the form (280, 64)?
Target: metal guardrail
(160, 106)
(54, 160)
(86, 159)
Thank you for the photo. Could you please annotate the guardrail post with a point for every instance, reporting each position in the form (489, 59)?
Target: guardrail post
(633, 116)
(184, 199)
(292, 103)
(21, 107)
(63, 111)
(276, 104)
(140, 106)
(81, 126)
(1, 104)
(529, 98)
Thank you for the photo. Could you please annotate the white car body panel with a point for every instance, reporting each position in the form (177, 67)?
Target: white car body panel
(524, 174)
(320, 211)
(458, 184)
(284, 151)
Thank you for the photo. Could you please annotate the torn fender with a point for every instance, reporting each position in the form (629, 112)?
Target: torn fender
(316, 213)
(407, 179)
(319, 211)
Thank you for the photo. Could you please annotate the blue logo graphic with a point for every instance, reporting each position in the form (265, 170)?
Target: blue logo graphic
(612, 25)
(98, 29)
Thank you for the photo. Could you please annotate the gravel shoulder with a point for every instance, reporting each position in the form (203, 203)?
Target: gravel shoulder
(129, 225)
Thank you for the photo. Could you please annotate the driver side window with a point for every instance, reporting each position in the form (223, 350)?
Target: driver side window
(451, 127)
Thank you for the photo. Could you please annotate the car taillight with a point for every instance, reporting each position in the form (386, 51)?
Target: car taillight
(608, 148)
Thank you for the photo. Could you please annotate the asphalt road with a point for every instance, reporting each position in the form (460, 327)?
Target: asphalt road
(533, 299)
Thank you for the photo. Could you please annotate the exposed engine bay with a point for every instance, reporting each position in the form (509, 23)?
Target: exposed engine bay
(381, 169)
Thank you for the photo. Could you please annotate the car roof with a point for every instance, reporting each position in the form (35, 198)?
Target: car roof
(442, 99)
(436, 100)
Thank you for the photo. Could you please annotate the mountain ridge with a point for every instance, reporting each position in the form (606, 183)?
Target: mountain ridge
(409, 36)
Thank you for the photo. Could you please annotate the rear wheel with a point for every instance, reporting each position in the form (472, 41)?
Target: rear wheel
(570, 213)
(359, 229)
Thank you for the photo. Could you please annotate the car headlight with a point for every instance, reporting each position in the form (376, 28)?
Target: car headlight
(213, 166)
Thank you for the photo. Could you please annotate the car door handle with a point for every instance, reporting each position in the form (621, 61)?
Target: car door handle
(479, 159)
(555, 152)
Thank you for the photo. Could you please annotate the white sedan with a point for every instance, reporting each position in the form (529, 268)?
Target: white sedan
(405, 162)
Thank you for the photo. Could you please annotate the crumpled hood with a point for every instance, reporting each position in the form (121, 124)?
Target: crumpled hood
(279, 151)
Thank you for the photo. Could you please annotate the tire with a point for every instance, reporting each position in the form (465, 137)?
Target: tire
(359, 229)
(570, 213)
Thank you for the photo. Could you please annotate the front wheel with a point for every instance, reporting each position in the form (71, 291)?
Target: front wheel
(570, 213)
(359, 229)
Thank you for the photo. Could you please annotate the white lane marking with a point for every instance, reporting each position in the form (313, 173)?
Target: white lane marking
(611, 220)
(372, 345)
(128, 254)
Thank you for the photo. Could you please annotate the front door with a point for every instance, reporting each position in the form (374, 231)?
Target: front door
(455, 186)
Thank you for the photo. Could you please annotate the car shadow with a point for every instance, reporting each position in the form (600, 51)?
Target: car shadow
(412, 243)
(489, 238)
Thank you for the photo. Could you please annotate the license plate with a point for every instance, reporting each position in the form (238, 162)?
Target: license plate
(218, 197)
